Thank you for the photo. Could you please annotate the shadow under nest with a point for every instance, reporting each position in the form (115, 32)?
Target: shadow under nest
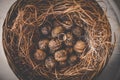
(22, 33)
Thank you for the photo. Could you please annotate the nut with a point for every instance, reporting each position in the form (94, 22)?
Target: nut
(67, 24)
(43, 44)
(56, 31)
(39, 55)
(79, 46)
(68, 38)
(72, 59)
(77, 31)
(50, 63)
(46, 30)
(54, 44)
(61, 37)
(60, 55)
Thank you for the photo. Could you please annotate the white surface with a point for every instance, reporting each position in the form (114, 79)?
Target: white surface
(5, 71)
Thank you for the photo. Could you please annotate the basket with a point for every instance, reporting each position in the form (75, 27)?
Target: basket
(21, 35)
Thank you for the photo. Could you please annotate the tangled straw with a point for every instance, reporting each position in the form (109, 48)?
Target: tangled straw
(34, 13)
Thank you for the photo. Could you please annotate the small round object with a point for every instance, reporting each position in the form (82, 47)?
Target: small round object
(46, 30)
(60, 55)
(54, 44)
(72, 59)
(77, 31)
(43, 44)
(61, 36)
(79, 46)
(50, 63)
(67, 24)
(68, 38)
(56, 31)
(39, 55)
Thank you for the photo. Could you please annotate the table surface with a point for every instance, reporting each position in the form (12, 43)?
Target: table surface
(111, 71)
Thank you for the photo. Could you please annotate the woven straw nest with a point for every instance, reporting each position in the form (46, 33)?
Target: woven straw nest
(20, 32)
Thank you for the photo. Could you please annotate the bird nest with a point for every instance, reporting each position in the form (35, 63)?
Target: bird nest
(57, 40)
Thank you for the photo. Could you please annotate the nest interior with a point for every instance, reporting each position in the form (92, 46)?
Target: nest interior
(57, 40)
